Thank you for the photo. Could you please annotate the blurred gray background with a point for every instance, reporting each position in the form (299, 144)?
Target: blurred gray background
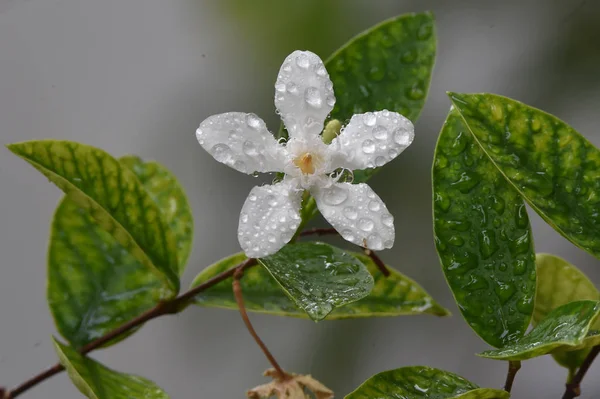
(138, 76)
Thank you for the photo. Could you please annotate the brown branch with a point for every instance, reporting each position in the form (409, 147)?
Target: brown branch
(318, 232)
(163, 308)
(378, 262)
(239, 298)
(573, 387)
(513, 367)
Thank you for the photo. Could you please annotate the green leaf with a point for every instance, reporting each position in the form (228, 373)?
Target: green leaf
(556, 170)
(318, 277)
(559, 283)
(420, 382)
(396, 295)
(96, 381)
(114, 197)
(483, 238)
(170, 197)
(567, 325)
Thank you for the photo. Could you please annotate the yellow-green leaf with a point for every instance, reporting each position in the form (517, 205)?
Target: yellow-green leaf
(96, 381)
(113, 196)
(396, 295)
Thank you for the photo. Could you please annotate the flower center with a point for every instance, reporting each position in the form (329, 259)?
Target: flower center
(305, 163)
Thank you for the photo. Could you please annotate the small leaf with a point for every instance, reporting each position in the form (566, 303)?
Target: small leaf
(96, 381)
(395, 295)
(114, 197)
(94, 283)
(319, 277)
(420, 382)
(559, 283)
(556, 170)
(567, 325)
(483, 238)
(170, 197)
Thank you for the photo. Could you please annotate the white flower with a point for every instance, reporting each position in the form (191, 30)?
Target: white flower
(304, 97)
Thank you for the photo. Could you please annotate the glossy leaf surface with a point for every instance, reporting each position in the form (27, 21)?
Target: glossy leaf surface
(559, 282)
(483, 238)
(396, 295)
(114, 197)
(170, 197)
(96, 381)
(94, 283)
(420, 382)
(555, 168)
(567, 325)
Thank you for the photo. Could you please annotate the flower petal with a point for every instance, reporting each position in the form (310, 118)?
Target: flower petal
(241, 141)
(357, 213)
(269, 218)
(372, 139)
(303, 93)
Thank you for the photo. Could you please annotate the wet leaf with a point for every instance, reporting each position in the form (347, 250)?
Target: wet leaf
(483, 238)
(420, 382)
(395, 295)
(94, 283)
(556, 170)
(567, 325)
(114, 197)
(559, 283)
(170, 197)
(96, 381)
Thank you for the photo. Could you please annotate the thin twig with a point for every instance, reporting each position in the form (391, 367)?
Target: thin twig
(378, 262)
(163, 308)
(573, 387)
(318, 232)
(239, 298)
(513, 367)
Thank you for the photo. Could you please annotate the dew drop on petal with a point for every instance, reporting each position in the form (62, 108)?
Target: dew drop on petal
(252, 197)
(292, 88)
(387, 220)
(366, 224)
(350, 212)
(380, 133)
(348, 235)
(302, 61)
(393, 153)
(374, 241)
(388, 244)
(368, 146)
(271, 238)
(244, 218)
(253, 121)
(222, 152)
(369, 119)
(380, 161)
(321, 71)
(312, 96)
(280, 87)
(249, 148)
(335, 196)
(401, 137)
(330, 101)
(240, 165)
(374, 205)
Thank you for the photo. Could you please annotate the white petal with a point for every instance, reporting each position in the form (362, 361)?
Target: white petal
(303, 93)
(269, 218)
(357, 213)
(372, 139)
(242, 142)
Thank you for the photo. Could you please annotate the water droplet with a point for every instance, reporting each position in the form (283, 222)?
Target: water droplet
(369, 119)
(244, 218)
(330, 101)
(366, 224)
(249, 148)
(271, 238)
(253, 121)
(350, 212)
(292, 88)
(374, 205)
(348, 235)
(380, 132)
(368, 146)
(392, 153)
(302, 61)
(487, 243)
(271, 200)
(380, 161)
(409, 57)
(222, 153)
(280, 87)
(321, 71)
(415, 93)
(376, 73)
(282, 219)
(240, 165)
(252, 197)
(424, 31)
(401, 137)
(374, 241)
(387, 220)
(456, 241)
(336, 195)
(312, 96)
(504, 291)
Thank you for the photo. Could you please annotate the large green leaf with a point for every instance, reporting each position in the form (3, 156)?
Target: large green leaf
(554, 168)
(559, 283)
(567, 325)
(395, 295)
(483, 238)
(94, 283)
(318, 277)
(96, 381)
(420, 382)
(114, 197)
(170, 197)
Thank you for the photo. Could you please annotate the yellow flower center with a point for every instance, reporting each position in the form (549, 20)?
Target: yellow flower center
(305, 163)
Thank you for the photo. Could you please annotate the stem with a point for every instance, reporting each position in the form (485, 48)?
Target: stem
(377, 260)
(513, 367)
(239, 298)
(168, 307)
(573, 387)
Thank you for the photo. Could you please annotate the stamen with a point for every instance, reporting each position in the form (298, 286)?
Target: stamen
(305, 164)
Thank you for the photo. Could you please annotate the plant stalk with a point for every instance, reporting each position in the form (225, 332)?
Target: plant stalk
(513, 367)
(573, 387)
